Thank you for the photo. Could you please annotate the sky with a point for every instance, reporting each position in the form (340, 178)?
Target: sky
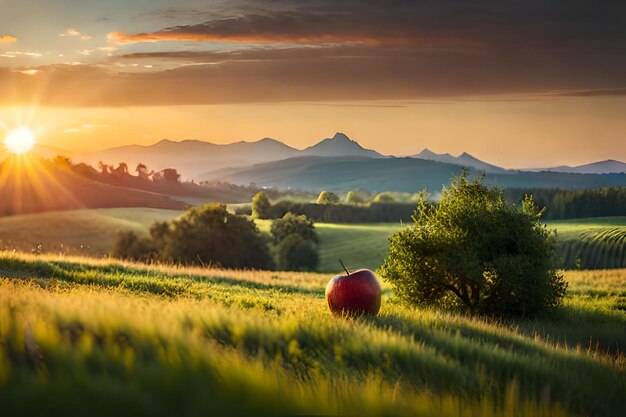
(517, 83)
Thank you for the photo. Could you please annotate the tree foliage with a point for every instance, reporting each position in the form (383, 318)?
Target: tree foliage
(476, 250)
(132, 247)
(294, 253)
(295, 241)
(294, 224)
(328, 197)
(207, 235)
(346, 213)
(261, 206)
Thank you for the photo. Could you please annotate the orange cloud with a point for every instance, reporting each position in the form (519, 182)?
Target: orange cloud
(125, 38)
(7, 39)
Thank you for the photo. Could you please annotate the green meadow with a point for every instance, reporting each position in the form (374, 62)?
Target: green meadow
(596, 241)
(92, 337)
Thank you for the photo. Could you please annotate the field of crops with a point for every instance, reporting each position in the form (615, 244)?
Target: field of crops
(592, 243)
(88, 337)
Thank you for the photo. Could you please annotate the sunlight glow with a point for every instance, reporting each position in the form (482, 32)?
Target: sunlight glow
(20, 140)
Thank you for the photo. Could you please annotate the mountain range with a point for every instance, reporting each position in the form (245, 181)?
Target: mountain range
(202, 160)
(601, 167)
(465, 160)
(406, 174)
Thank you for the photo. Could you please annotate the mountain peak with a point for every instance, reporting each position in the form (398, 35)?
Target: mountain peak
(426, 152)
(340, 145)
(341, 136)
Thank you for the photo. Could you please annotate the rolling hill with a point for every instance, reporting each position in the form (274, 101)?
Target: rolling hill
(29, 184)
(105, 338)
(397, 174)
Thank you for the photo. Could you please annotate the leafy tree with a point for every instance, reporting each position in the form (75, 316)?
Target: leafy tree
(207, 235)
(261, 206)
(476, 250)
(167, 175)
(354, 197)
(327, 197)
(142, 171)
(384, 198)
(212, 235)
(295, 253)
(130, 246)
(293, 223)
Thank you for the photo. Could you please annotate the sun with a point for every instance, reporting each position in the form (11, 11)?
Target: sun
(20, 140)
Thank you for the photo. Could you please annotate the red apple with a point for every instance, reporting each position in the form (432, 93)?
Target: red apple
(355, 293)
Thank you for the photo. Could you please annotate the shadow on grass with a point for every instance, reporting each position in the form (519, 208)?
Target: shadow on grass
(116, 276)
(501, 354)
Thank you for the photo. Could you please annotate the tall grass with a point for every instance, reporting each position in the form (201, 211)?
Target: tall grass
(81, 336)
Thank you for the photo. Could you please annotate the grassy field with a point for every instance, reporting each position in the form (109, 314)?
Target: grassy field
(88, 232)
(95, 337)
(357, 245)
(92, 232)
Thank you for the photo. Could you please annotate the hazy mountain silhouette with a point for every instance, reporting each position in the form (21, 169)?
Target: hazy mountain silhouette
(609, 166)
(407, 174)
(206, 160)
(195, 159)
(192, 157)
(339, 145)
(464, 159)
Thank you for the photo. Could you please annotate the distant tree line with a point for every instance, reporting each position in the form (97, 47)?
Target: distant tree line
(330, 212)
(568, 204)
(559, 204)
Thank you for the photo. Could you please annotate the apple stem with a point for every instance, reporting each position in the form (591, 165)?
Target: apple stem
(344, 267)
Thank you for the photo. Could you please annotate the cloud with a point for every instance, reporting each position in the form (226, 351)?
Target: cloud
(70, 33)
(606, 92)
(338, 74)
(322, 50)
(73, 33)
(30, 71)
(401, 23)
(7, 39)
(299, 28)
(13, 54)
(85, 128)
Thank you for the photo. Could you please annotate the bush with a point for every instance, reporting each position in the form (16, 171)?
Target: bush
(327, 197)
(132, 247)
(293, 223)
(207, 235)
(296, 243)
(261, 206)
(294, 253)
(476, 250)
